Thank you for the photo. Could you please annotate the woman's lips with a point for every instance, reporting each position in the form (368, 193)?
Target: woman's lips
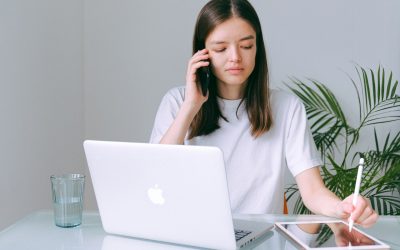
(235, 71)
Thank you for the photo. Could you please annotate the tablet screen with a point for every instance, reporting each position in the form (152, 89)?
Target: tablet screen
(323, 235)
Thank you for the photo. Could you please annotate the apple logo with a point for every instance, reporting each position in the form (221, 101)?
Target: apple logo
(155, 194)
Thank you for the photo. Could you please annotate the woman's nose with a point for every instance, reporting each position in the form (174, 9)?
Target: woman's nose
(235, 55)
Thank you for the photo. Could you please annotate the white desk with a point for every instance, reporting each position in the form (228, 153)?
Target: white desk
(37, 231)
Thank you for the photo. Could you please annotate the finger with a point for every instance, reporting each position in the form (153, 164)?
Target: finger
(370, 220)
(198, 58)
(361, 205)
(365, 214)
(368, 216)
(200, 53)
(344, 208)
(198, 65)
(195, 60)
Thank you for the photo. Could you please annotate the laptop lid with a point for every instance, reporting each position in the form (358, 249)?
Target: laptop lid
(171, 193)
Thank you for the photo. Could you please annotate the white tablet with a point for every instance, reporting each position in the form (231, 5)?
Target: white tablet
(328, 235)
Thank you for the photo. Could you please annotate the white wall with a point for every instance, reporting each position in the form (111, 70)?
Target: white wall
(41, 101)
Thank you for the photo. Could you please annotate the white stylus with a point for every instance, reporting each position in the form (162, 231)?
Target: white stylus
(356, 190)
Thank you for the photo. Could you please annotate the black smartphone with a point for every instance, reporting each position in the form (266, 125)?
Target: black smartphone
(203, 76)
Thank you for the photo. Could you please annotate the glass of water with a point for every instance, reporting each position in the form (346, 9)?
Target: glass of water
(67, 193)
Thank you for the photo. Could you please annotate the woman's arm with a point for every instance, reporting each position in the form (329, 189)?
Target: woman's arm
(321, 200)
(177, 131)
(192, 103)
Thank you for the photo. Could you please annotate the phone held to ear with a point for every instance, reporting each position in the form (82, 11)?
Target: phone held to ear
(203, 74)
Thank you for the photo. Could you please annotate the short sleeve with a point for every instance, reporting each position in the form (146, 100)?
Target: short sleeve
(166, 113)
(301, 152)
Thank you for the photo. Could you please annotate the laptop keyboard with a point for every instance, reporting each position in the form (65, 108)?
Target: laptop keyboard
(239, 234)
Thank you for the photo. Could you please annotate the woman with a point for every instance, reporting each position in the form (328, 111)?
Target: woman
(261, 132)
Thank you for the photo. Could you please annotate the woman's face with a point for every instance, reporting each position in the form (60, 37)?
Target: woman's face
(232, 50)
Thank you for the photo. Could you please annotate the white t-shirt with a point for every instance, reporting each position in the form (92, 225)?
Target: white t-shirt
(255, 168)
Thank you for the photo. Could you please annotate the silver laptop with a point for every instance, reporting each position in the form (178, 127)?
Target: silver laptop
(170, 193)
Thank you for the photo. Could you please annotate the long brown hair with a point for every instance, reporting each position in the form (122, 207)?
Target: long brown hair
(256, 95)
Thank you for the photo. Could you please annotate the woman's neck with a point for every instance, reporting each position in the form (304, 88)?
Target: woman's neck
(231, 92)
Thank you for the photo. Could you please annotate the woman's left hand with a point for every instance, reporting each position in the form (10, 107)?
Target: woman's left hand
(362, 214)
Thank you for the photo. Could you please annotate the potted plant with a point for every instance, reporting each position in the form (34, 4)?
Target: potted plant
(336, 139)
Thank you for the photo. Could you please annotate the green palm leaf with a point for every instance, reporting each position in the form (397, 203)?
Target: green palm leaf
(378, 104)
(323, 111)
(386, 156)
(378, 96)
(386, 204)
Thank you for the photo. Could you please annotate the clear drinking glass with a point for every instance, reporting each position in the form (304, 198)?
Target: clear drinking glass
(67, 193)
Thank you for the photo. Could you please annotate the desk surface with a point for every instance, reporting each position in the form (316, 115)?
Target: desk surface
(37, 231)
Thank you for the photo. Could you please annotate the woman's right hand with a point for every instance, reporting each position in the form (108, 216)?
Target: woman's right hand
(192, 103)
(194, 98)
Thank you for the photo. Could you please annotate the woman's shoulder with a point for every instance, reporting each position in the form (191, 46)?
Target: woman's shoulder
(283, 98)
(284, 105)
(176, 93)
(284, 102)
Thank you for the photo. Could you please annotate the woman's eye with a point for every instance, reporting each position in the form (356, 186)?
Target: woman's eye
(219, 50)
(247, 47)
